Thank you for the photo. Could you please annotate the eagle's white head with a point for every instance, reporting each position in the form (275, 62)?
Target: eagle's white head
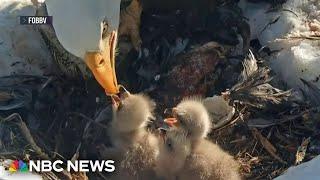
(79, 24)
(88, 29)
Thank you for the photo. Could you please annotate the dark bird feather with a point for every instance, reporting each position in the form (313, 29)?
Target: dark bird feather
(254, 88)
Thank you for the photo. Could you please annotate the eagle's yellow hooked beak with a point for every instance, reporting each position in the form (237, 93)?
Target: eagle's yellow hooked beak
(102, 65)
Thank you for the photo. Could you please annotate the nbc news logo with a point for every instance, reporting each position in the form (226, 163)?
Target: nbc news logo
(57, 166)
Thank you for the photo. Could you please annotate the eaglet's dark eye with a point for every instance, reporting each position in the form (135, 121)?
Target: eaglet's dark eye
(181, 122)
(169, 145)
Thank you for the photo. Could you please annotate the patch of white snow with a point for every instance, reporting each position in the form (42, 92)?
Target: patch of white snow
(298, 57)
(306, 171)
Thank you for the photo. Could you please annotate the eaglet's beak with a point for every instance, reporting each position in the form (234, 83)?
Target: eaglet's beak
(171, 122)
(116, 101)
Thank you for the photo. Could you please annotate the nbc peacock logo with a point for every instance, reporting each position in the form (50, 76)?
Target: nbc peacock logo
(18, 166)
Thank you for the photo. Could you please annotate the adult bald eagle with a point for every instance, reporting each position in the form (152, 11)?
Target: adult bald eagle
(88, 30)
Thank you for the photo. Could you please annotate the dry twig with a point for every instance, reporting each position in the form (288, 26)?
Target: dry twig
(267, 145)
(27, 135)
